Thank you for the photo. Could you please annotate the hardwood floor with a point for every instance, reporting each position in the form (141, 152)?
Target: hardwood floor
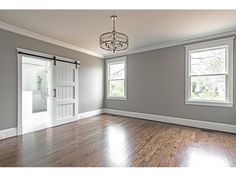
(107, 140)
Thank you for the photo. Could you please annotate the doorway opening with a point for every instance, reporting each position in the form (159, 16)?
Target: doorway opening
(47, 91)
(36, 94)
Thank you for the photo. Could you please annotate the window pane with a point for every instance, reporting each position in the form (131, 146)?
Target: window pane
(208, 62)
(208, 87)
(117, 88)
(117, 71)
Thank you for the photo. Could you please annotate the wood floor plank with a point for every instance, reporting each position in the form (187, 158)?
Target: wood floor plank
(111, 141)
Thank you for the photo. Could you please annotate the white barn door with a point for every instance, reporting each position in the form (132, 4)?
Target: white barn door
(65, 87)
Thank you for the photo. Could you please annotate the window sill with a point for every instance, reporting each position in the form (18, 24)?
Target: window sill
(117, 98)
(209, 103)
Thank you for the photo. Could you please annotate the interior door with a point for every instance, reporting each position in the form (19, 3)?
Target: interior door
(65, 87)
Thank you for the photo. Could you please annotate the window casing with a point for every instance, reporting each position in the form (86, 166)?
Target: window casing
(116, 78)
(209, 73)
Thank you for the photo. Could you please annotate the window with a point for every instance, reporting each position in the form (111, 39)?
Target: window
(116, 78)
(209, 73)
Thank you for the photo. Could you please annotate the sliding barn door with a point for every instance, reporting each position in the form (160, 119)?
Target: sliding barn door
(65, 83)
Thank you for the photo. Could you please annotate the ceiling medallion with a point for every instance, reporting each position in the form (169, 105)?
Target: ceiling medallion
(114, 41)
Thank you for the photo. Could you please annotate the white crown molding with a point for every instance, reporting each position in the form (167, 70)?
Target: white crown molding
(175, 120)
(185, 41)
(175, 43)
(24, 32)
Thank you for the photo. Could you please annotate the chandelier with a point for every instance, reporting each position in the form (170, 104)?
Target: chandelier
(113, 41)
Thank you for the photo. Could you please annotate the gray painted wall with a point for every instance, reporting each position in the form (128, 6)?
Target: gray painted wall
(90, 75)
(156, 85)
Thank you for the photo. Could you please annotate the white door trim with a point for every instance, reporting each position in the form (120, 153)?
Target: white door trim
(19, 94)
(19, 82)
(19, 87)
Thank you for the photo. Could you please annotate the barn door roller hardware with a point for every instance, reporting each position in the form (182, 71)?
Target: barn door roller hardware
(53, 58)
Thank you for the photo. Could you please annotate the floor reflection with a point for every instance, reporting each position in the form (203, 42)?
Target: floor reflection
(117, 144)
(197, 157)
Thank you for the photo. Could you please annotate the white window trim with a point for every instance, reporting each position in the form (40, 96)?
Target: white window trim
(116, 60)
(229, 86)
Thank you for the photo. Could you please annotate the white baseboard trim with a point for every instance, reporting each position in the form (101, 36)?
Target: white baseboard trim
(90, 113)
(35, 130)
(62, 122)
(175, 120)
(7, 133)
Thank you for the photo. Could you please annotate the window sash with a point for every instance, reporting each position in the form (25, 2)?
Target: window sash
(119, 79)
(109, 88)
(226, 43)
(226, 47)
(226, 74)
(208, 100)
(114, 79)
(209, 75)
(119, 60)
(114, 63)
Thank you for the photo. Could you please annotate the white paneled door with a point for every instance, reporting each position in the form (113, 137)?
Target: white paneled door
(65, 88)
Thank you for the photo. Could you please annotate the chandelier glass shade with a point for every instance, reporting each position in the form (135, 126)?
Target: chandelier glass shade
(114, 41)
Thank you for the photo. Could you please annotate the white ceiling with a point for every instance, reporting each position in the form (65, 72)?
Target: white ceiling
(145, 28)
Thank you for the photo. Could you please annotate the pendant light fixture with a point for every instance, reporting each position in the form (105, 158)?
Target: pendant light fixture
(114, 41)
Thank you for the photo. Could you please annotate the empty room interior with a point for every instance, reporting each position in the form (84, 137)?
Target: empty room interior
(117, 88)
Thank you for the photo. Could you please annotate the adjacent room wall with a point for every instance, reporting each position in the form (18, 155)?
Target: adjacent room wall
(156, 85)
(90, 75)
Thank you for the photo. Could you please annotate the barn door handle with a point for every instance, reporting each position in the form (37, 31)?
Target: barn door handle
(55, 93)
